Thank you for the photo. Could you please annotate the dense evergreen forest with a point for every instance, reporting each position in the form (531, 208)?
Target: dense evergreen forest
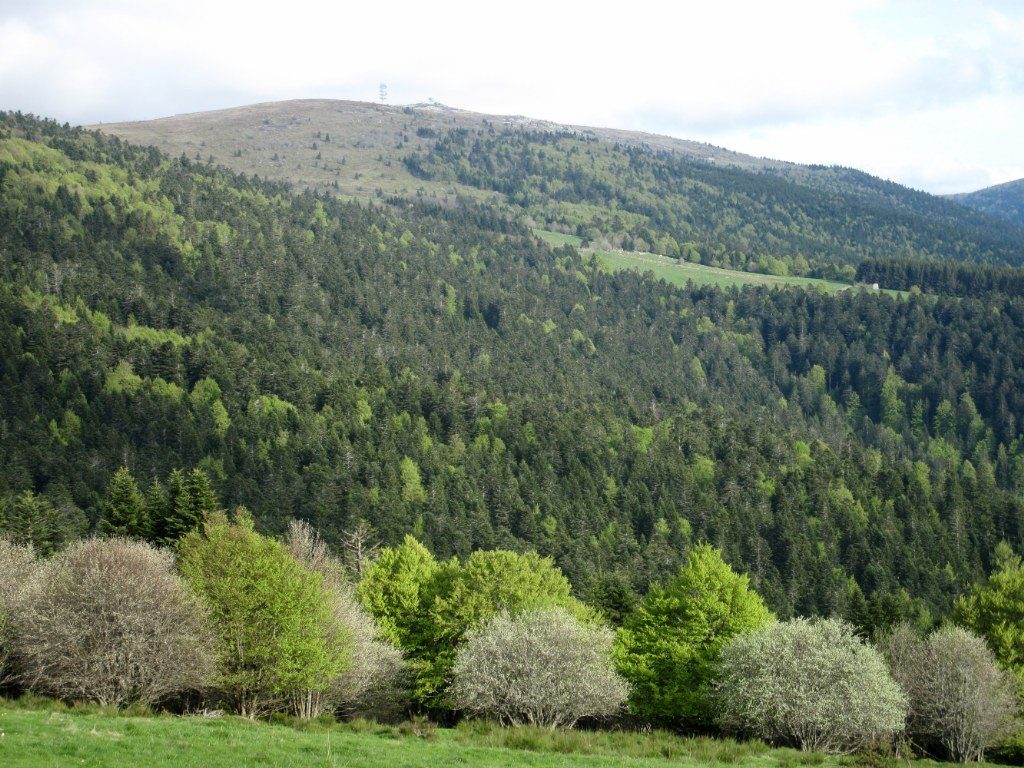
(438, 371)
(948, 277)
(799, 220)
(1003, 200)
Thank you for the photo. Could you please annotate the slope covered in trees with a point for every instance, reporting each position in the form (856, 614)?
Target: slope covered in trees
(799, 220)
(1005, 201)
(616, 187)
(436, 370)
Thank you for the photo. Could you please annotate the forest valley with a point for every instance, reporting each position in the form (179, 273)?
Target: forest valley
(178, 339)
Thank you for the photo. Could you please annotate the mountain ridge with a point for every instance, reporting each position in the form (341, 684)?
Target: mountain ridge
(461, 118)
(616, 188)
(1005, 200)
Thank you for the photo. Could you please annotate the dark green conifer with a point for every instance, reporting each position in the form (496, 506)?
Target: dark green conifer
(124, 510)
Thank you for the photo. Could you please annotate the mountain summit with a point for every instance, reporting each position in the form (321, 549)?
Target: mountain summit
(613, 189)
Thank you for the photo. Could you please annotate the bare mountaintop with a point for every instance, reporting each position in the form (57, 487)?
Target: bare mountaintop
(355, 147)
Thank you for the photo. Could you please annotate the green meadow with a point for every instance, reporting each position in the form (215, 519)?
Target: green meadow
(673, 271)
(53, 735)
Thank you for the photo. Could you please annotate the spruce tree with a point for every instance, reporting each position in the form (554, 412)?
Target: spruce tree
(124, 510)
(190, 498)
(158, 505)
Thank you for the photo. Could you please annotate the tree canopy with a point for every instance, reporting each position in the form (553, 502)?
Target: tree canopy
(670, 645)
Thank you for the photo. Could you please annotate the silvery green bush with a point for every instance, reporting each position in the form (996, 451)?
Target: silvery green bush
(16, 564)
(543, 668)
(810, 683)
(110, 621)
(961, 701)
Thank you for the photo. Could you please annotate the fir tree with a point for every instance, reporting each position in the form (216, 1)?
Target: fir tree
(124, 510)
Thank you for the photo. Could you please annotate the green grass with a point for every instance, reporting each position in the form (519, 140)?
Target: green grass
(672, 271)
(53, 735)
(38, 732)
(677, 273)
(557, 239)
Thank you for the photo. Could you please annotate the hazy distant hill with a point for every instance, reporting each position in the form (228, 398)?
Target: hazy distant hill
(288, 141)
(613, 188)
(1003, 200)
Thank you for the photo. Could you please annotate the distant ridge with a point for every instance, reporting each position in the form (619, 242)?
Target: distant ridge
(1003, 200)
(372, 139)
(678, 198)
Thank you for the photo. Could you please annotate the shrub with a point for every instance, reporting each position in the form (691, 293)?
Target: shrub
(669, 646)
(375, 665)
(814, 684)
(961, 701)
(16, 565)
(543, 667)
(271, 616)
(109, 621)
(427, 607)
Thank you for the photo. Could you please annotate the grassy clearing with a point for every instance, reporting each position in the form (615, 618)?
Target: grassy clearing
(672, 271)
(557, 239)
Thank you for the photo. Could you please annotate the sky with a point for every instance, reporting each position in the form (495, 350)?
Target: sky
(929, 94)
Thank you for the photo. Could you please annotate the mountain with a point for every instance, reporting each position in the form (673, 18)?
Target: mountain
(360, 145)
(1003, 200)
(431, 367)
(616, 189)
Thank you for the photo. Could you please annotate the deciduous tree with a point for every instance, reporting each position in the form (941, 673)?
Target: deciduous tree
(670, 645)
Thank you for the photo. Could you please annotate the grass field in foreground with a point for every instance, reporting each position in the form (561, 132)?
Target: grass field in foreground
(57, 736)
(672, 271)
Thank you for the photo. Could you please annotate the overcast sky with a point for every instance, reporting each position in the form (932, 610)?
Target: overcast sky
(928, 93)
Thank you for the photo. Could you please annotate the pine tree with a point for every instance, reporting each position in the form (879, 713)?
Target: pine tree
(124, 511)
(190, 498)
(158, 505)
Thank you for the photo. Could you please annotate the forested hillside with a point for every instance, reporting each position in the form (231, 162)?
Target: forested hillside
(436, 369)
(1005, 201)
(616, 188)
(794, 219)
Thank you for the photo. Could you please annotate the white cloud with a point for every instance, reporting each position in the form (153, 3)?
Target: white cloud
(884, 85)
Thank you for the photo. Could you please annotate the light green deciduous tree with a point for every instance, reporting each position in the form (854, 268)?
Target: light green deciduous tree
(669, 646)
(995, 610)
(271, 615)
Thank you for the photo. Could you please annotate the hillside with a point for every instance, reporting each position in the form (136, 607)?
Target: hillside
(439, 370)
(614, 188)
(359, 146)
(1003, 200)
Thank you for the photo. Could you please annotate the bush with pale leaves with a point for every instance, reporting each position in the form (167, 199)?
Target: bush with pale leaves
(16, 565)
(542, 667)
(814, 684)
(961, 701)
(108, 620)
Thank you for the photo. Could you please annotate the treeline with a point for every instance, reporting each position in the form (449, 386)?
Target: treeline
(811, 221)
(417, 370)
(229, 618)
(945, 277)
